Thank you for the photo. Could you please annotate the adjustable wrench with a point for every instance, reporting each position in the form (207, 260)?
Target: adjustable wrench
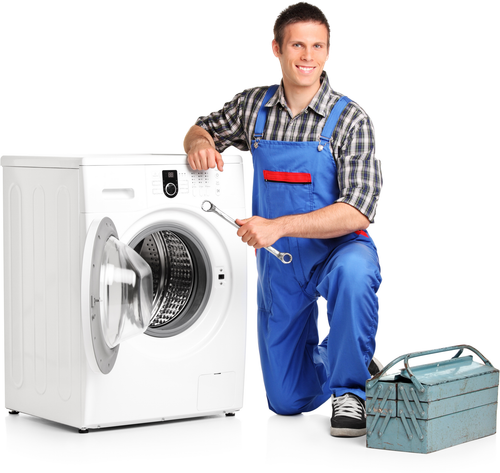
(207, 206)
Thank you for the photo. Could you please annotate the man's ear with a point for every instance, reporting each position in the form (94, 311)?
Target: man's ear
(276, 48)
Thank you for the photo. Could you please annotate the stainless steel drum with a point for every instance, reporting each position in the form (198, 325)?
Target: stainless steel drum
(172, 269)
(180, 279)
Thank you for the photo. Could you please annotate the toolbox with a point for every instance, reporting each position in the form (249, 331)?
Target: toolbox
(433, 406)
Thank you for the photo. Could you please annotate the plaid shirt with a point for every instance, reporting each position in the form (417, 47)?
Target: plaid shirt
(352, 144)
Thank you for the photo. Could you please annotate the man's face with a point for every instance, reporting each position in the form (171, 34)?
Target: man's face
(303, 55)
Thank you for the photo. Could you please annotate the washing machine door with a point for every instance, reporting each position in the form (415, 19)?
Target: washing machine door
(117, 294)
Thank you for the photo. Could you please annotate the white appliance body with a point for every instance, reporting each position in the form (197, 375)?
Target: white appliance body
(53, 366)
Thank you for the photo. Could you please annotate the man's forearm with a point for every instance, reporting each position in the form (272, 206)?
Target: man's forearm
(197, 134)
(329, 222)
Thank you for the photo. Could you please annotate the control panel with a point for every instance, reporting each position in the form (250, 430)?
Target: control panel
(170, 183)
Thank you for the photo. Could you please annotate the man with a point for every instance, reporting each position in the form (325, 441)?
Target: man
(316, 186)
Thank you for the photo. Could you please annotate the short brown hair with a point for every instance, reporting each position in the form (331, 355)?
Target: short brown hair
(298, 13)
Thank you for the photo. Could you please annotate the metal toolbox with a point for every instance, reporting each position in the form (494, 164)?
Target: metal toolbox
(433, 406)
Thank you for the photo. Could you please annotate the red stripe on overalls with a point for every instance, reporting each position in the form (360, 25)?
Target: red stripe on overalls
(291, 177)
(361, 232)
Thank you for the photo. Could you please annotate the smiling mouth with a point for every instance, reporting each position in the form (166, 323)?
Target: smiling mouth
(305, 68)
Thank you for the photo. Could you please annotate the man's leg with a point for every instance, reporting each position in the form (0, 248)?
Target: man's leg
(295, 376)
(349, 281)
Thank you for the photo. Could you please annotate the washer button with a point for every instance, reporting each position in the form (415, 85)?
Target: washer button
(170, 189)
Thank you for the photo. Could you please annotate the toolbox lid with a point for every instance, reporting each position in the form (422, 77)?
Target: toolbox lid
(449, 370)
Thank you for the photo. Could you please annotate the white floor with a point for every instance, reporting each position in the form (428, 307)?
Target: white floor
(253, 439)
(438, 237)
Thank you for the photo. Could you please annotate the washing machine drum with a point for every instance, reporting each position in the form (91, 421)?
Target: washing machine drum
(180, 280)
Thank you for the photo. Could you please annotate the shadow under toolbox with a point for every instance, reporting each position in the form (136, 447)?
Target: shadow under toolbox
(433, 406)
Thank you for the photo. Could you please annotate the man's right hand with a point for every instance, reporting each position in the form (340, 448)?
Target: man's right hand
(201, 151)
(202, 156)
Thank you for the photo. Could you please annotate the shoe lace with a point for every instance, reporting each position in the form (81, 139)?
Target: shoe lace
(348, 406)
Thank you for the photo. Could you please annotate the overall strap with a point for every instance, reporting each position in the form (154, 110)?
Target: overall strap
(332, 120)
(262, 115)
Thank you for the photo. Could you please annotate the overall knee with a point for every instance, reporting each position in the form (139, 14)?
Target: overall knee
(354, 274)
(285, 404)
(359, 273)
(360, 279)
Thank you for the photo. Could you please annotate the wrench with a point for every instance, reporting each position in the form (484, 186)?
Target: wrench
(207, 206)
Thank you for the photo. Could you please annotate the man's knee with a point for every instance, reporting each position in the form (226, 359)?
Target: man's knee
(352, 272)
(359, 272)
(285, 404)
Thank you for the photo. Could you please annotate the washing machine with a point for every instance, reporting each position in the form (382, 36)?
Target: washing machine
(125, 302)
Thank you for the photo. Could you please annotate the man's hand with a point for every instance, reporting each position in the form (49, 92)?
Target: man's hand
(259, 232)
(200, 148)
(203, 156)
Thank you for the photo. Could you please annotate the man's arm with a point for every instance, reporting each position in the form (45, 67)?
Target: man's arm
(333, 221)
(200, 148)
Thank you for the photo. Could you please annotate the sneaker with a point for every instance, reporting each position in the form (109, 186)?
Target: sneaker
(349, 416)
(374, 367)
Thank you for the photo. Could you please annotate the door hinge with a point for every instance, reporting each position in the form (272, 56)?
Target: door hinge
(93, 301)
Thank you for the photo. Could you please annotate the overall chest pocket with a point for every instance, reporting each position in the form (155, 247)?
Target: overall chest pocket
(288, 193)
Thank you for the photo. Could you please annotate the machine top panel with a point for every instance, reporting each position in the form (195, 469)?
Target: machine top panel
(74, 162)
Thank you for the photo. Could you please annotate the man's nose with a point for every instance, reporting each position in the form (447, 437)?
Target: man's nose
(307, 54)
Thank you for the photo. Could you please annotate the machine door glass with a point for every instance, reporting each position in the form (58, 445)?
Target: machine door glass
(119, 295)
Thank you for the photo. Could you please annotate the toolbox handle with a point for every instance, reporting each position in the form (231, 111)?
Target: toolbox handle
(406, 357)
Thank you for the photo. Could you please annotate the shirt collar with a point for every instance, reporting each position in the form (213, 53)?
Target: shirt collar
(318, 103)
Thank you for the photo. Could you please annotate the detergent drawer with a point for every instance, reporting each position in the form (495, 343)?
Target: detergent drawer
(434, 406)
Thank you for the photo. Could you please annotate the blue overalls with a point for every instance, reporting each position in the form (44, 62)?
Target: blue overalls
(299, 374)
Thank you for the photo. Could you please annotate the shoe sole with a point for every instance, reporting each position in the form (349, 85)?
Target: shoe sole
(375, 367)
(336, 432)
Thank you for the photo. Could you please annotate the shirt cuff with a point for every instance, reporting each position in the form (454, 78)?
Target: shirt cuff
(366, 205)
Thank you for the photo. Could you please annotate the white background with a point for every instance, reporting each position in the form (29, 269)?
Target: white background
(438, 237)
